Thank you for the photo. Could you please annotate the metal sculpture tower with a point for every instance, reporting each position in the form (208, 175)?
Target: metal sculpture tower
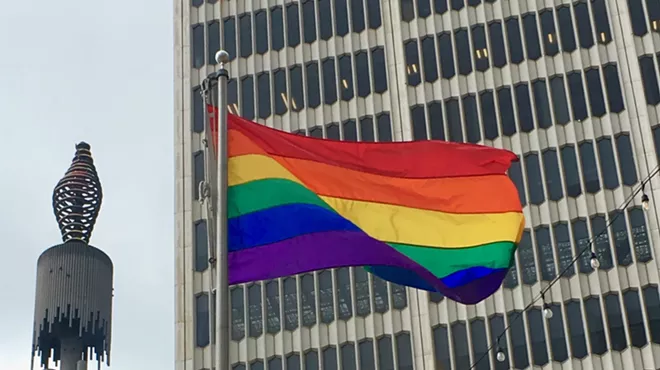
(73, 305)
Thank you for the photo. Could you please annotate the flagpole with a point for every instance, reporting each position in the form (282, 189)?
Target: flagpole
(222, 282)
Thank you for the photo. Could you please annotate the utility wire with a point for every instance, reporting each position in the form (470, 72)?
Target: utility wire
(541, 295)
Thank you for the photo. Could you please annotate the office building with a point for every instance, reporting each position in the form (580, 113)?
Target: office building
(571, 87)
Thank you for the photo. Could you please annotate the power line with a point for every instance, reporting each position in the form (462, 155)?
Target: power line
(500, 356)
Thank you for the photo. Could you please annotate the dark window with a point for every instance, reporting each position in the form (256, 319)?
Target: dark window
(441, 347)
(473, 2)
(552, 177)
(254, 310)
(454, 126)
(595, 325)
(564, 251)
(534, 179)
(276, 28)
(545, 253)
(245, 34)
(275, 363)
(237, 313)
(653, 8)
(498, 52)
(213, 40)
(357, 15)
(326, 299)
(261, 31)
(367, 129)
(507, 117)
(582, 243)
(619, 235)
(362, 73)
(640, 237)
(652, 304)
(614, 95)
(589, 170)
(440, 6)
(543, 116)
(309, 21)
(199, 122)
(462, 41)
(412, 63)
(350, 130)
(257, 365)
(526, 259)
(385, 360)
(329, 81)
(515, 40)
(524, 105)
(571, 175)
(480, 343)
(263, 89)
(232, 96)
(367, 359)
(379, 69)
(312, 77)
(292, 25)
(329, 357)
(341, 17)
(635, 319)
(607, 164)
(198, 52)
(347, 352)
(343, 292)
(229, 37)
(518, 340)
(418, 122)
(279, 91)
(362, 296)
(585, 33)
(489, 120)
(346, 76)
(423, 7)
(429, 59)
(384, 128)
(198, 171)
(601, 21)
(480, 47)
(457, 4)
(576, 89)
(290, 304)
(575, 326)
(559, 103)
(436, 121)
(308, 300)
(531, 36)
(549, 34)
(325, 19)
(381, 298)
(637, 18)
(471, 114)
(461, 346)
(311, 357)
(399, 296)
(197, 3)
(445, 49)
(293, 362)
(601, 241)
(436, 297)
(201, 246)
(566, 30)
(273, 307)
(615, 322)
(511, 278)
(247, 97)
(297, 100)
(202, 318)
(515, 173)
(373, 13)
(595, 90)
(408, 11)
(626, 159)
(539, 346)
(498, 336)
(649, 80)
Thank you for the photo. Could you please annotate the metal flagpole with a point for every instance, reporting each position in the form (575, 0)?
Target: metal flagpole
(222, 282)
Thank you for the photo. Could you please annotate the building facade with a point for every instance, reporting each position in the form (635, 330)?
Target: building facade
(572, 87)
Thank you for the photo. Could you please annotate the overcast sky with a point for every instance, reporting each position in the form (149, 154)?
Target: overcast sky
(99, 71)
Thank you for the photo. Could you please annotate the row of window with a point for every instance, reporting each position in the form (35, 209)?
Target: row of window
(439, 7)
(331, 292)
(538, 104)
(544, 168)
(638, 18)
(368, 355)
(344, 77)
(264, 29)
(650, 78)
(565, 16)
(553, 344)
(198, 3)
(354, 130)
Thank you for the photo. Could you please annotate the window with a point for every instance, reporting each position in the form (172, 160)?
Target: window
(635, 319)
(245, 35)
(330, 358)
(326, 299)
(367, 129)
(237, 313)
(601, 242)
(279, 91)
(581, 242)
(557, 335)
(292, 25)
(543, 117)
(232, 96)
(626, 159)
(498, 51)
(293, 361)
(539, 346)
(418, 122)
(583, 21)
(463, 51)
(654, 15)
(201, 246)
(257, 365)
(275, 363)
(325, 19)
(652, 304)
(436, 297)
(199, 122)
(489, 118)
(526, 259)
(213, 40)
(649, 80)
(480, 343)
(639, 235)
(362, 73)
(263, 99)
(461, 346)
(517, 333)
(614, 95)
(273, 307)
(436, 121)
(276, 28)
(197, 3)
(379, 71)
(441, 347)
(480, 47)
(297, 100)
(549, 34)
(595, 90)
(202, 334)
(362, 296)
(566, 30)
(308, 300)
(531, 36)
(445, 48)
(457, 4)
(348, 356)
(637, 19)
(429, 58)
(589, 170)
(515, 173)
(507, 117)
(559, 103)
(595, 325)
(615, 322)
(312, 77)
(367, 360)
(619, 231)
(309, 21)
(607, 163)
(229, 36)
(423, 7)
(247, 97)
(440, 6)
(311, 357)
(385, 360)
(343, 293)
(601, 21)
(373, 9)
(571, 176)
(261, 31)
(576, 90)
(341, 17)
(346, 76)
(198, 172)
(524, 105)
(534, 180)
(350, 130)
(384, 128)
(575, 326)
(412, 63)
(254, 310)
(545, 253)
(552, 177)
(357, 15)
(198, 52)
(497, 333)
(471, 114)
(399, 296)
(329, 81)
(381, 298)
(515, 40)
(290, 304)
(455, 128)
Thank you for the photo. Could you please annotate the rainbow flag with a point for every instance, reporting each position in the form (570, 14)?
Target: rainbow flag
(432, 215)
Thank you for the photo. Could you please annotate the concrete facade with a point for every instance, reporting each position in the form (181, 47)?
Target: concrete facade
(581, 114)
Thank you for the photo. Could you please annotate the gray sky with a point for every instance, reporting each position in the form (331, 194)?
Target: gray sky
(99, 71)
